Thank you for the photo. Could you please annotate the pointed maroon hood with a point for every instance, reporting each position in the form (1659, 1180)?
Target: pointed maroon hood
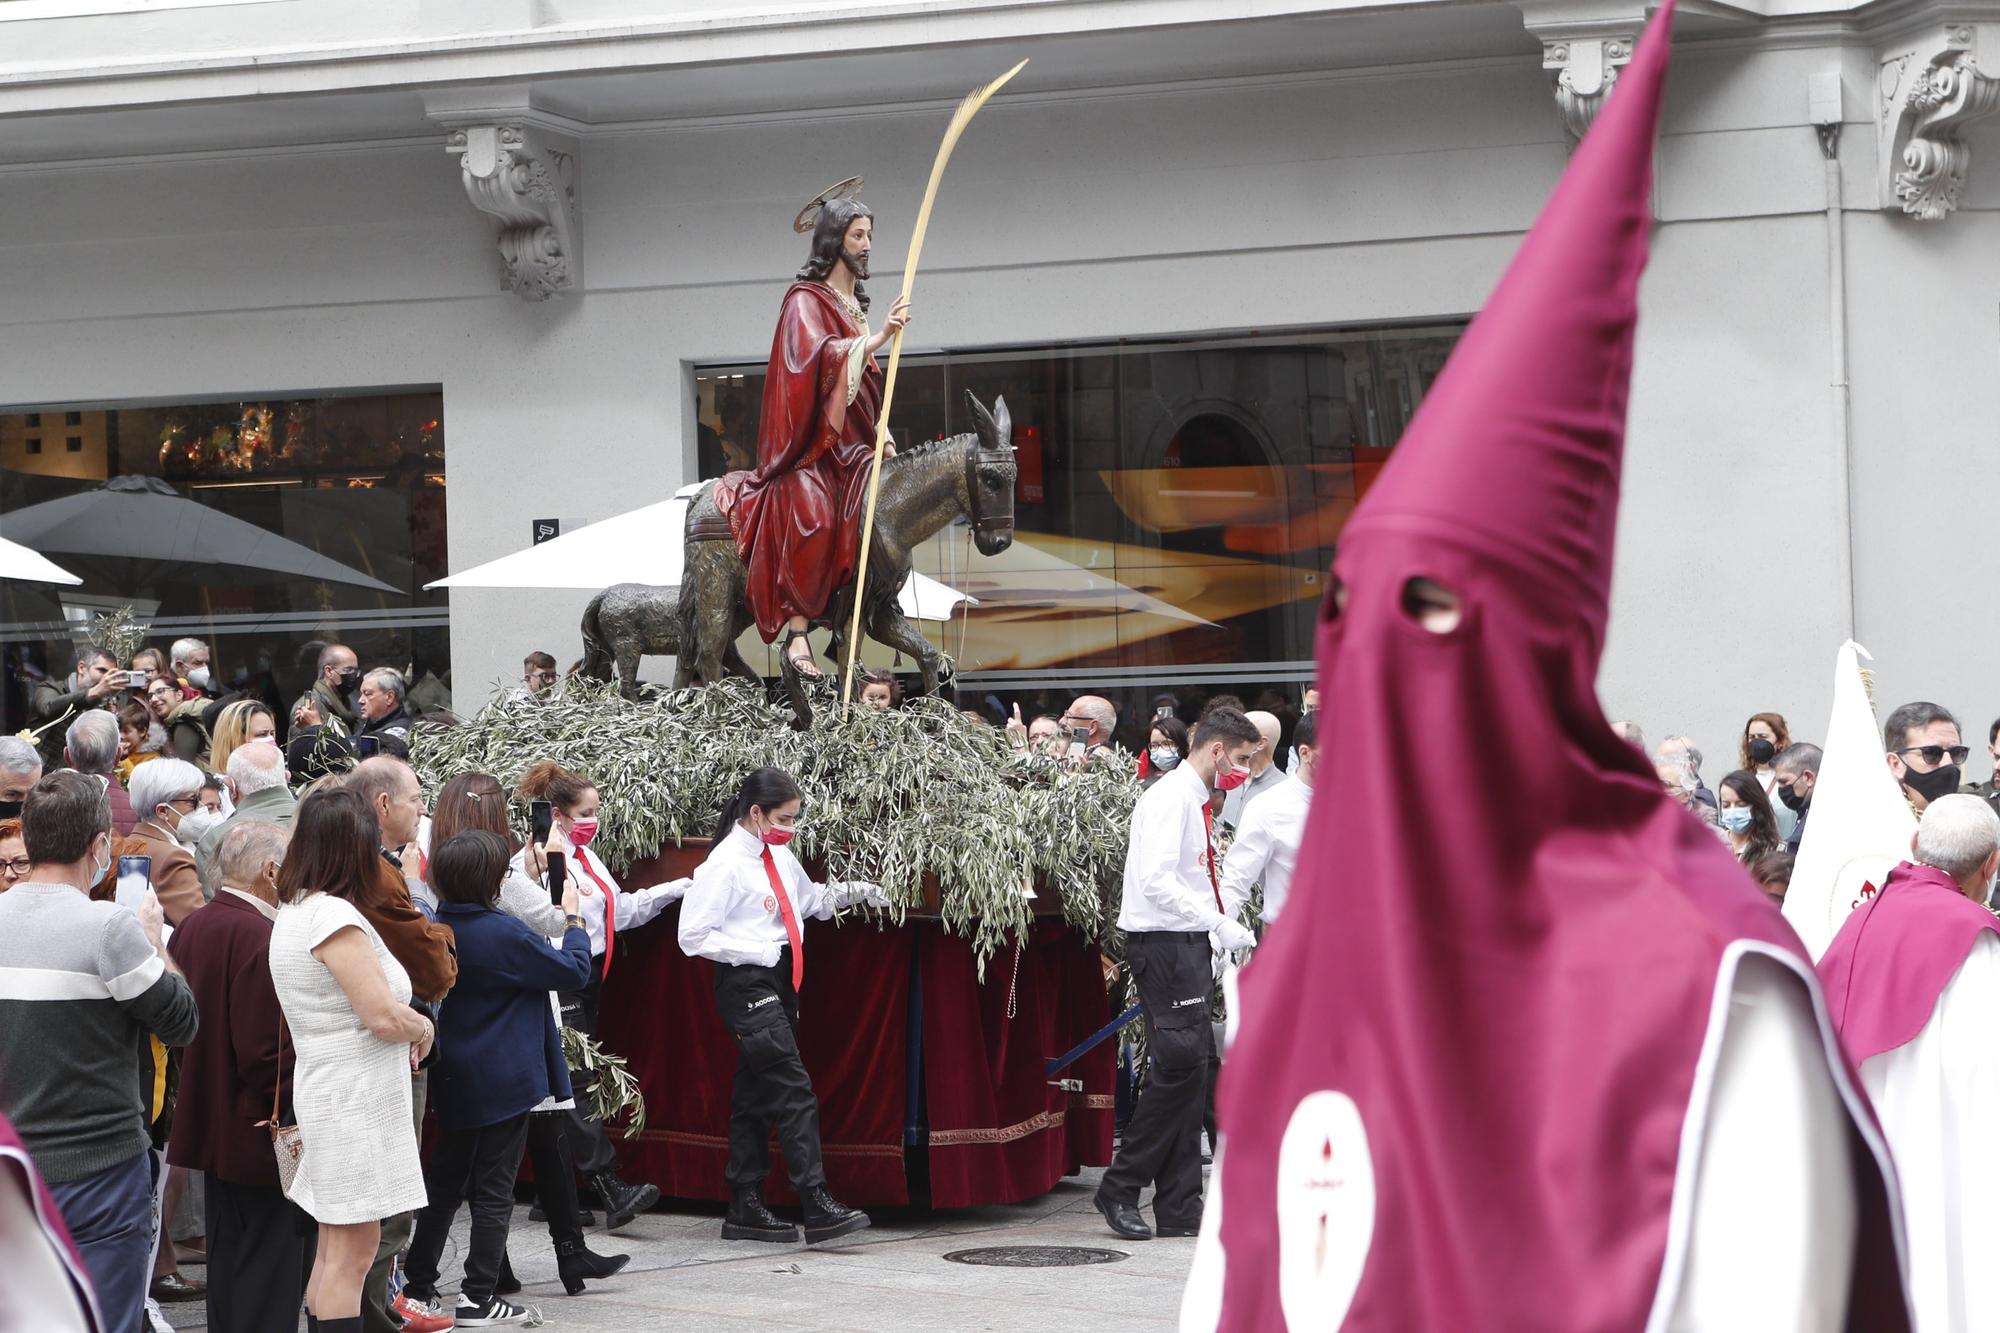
(1468, 1051)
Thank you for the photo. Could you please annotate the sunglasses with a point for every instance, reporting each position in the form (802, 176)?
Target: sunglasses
(1936, 754)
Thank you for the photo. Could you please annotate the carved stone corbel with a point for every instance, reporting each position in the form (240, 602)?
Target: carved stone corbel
(1585, 69)
(526, 179)
(1930, 92)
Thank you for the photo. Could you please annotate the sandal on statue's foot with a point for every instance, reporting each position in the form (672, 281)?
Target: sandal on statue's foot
(801, 663)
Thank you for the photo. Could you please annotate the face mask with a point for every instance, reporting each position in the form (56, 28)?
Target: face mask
(199, 678)
(1229, 779)
(1736, 818)
(581, 831)
(102, 868)
(1165, 758)
(1938, 782)
(1762, 751)
(1790, 796)
(777, 835)
(10, 809)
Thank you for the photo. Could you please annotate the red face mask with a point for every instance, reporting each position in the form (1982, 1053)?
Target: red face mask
(581, 831)
(1230, 778)
(777, 835)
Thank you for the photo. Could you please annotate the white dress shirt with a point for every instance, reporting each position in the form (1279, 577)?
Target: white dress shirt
(634, 909)
(1267, 848)
(731, 914)
(1167, 885)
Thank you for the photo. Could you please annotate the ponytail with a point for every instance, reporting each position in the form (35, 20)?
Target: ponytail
(546, 780)
(765, 788)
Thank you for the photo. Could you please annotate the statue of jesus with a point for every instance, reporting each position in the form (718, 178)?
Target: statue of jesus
(797, 515)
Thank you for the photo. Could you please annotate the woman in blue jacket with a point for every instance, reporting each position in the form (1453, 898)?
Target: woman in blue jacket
(499, 1056)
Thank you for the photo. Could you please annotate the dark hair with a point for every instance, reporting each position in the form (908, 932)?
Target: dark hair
(539, 661)
(135, 715)
(829, 236)
(1306, 730)
(90, 652)
(471, 801)
(1174, 730)
(1776, 722)
(63, 815)
(1896, 731)
(336, 848)
(1219, 701)
(551, 782)
(1773, 866)
(1763, 823)
(765, 788)
(1227, 725)
(468, 867)
(880, 677)
(1993, 732)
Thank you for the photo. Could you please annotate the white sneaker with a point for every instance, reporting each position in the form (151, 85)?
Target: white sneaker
(156, 1318)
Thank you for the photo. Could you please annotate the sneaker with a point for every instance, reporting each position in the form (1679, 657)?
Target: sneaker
(497, 1311)
(419, 1315)
(156, 1318)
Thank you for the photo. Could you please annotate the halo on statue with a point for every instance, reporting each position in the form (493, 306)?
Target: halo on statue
(808, 217)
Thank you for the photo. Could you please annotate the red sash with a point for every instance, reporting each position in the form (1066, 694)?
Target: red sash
(791, 919)
(610, 908)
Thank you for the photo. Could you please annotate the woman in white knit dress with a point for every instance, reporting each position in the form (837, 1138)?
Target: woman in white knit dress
(347, 1012)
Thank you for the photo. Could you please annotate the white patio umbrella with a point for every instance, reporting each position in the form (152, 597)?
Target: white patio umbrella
(646, 545)
(19, 563)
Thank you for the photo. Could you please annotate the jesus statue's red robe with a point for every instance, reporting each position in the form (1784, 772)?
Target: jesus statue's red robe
(797, 516)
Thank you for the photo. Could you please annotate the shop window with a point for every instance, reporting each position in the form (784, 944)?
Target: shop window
(1177, 507)
(354, 480)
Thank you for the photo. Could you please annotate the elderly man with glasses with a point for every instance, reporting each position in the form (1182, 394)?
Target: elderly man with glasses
(1096, 719)
(164, 792)
(1925, 752)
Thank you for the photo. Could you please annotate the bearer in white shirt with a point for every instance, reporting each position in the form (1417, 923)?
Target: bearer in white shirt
(746, 911)
(1267, 842)
(1172, 906)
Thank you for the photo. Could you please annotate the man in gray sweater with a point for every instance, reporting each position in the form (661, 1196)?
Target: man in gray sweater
(83, 985)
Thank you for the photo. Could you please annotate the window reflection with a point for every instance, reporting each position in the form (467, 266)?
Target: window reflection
(356, 479)
(1178, 502)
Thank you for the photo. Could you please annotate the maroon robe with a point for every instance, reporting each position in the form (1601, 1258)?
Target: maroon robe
(797, 517)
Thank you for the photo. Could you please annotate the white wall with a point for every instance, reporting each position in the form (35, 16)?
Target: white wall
(1293, 202)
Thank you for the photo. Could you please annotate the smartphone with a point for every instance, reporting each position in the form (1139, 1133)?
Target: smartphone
(135, 876)
(1079, 741)
(1164, 710)
(367, 746)
(135, 680)
(541, 817)
(557, 873)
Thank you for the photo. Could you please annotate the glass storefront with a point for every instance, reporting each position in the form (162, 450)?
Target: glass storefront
(265, 526)
(1176, 511)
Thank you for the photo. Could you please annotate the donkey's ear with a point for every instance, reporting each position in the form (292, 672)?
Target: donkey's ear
(982, 420)
(1003, 423)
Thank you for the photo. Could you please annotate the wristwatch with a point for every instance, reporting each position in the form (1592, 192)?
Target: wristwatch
(574, 920)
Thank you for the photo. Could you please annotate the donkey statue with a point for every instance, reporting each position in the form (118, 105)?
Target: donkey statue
(923, 489)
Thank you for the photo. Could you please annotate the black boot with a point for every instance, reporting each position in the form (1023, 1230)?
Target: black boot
(584, 1217)
(351, 1324)
(749, 1219)
(312, 1322)
(575, 1262)
(827, 1217)
(622, 1202)
(506, 1284)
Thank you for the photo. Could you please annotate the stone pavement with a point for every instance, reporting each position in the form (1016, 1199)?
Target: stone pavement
(893, 1276)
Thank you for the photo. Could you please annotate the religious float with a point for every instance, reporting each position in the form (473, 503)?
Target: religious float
(935, 1032)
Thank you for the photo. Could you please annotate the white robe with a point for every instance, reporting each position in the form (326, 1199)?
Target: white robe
(1937, 1096)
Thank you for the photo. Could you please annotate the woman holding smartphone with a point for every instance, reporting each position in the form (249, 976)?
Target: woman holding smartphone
(746, 912)
(606, 911)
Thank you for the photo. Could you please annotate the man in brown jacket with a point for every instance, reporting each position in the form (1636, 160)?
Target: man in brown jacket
(425, 949)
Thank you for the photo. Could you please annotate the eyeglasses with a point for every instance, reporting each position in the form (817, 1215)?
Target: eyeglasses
(1935, 754)
(15, 868)
(190, 801)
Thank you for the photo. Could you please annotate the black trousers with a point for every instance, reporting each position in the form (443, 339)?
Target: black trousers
(258, 1251)
(589, 1146)
(555, 1174)
(477, 1165)
(1162, 1143)
(761, 1011)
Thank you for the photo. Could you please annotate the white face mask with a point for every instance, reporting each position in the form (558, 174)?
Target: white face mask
(1736, 818)
(199, 678)
(103, 868)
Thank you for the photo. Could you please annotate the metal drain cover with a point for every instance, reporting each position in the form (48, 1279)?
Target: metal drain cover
(1035, 1256)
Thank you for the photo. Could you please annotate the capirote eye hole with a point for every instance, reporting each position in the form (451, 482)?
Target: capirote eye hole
(1334, 604)
(1432, 605)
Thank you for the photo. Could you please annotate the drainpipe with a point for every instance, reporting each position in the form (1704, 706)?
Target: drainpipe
(1824, 100)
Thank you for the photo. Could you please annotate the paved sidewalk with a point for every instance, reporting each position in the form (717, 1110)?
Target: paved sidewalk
(894, 1276)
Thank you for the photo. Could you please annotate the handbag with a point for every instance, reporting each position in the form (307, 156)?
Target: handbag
(286, 1142)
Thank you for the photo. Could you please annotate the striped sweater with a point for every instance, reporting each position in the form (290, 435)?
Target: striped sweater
(81, 990)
